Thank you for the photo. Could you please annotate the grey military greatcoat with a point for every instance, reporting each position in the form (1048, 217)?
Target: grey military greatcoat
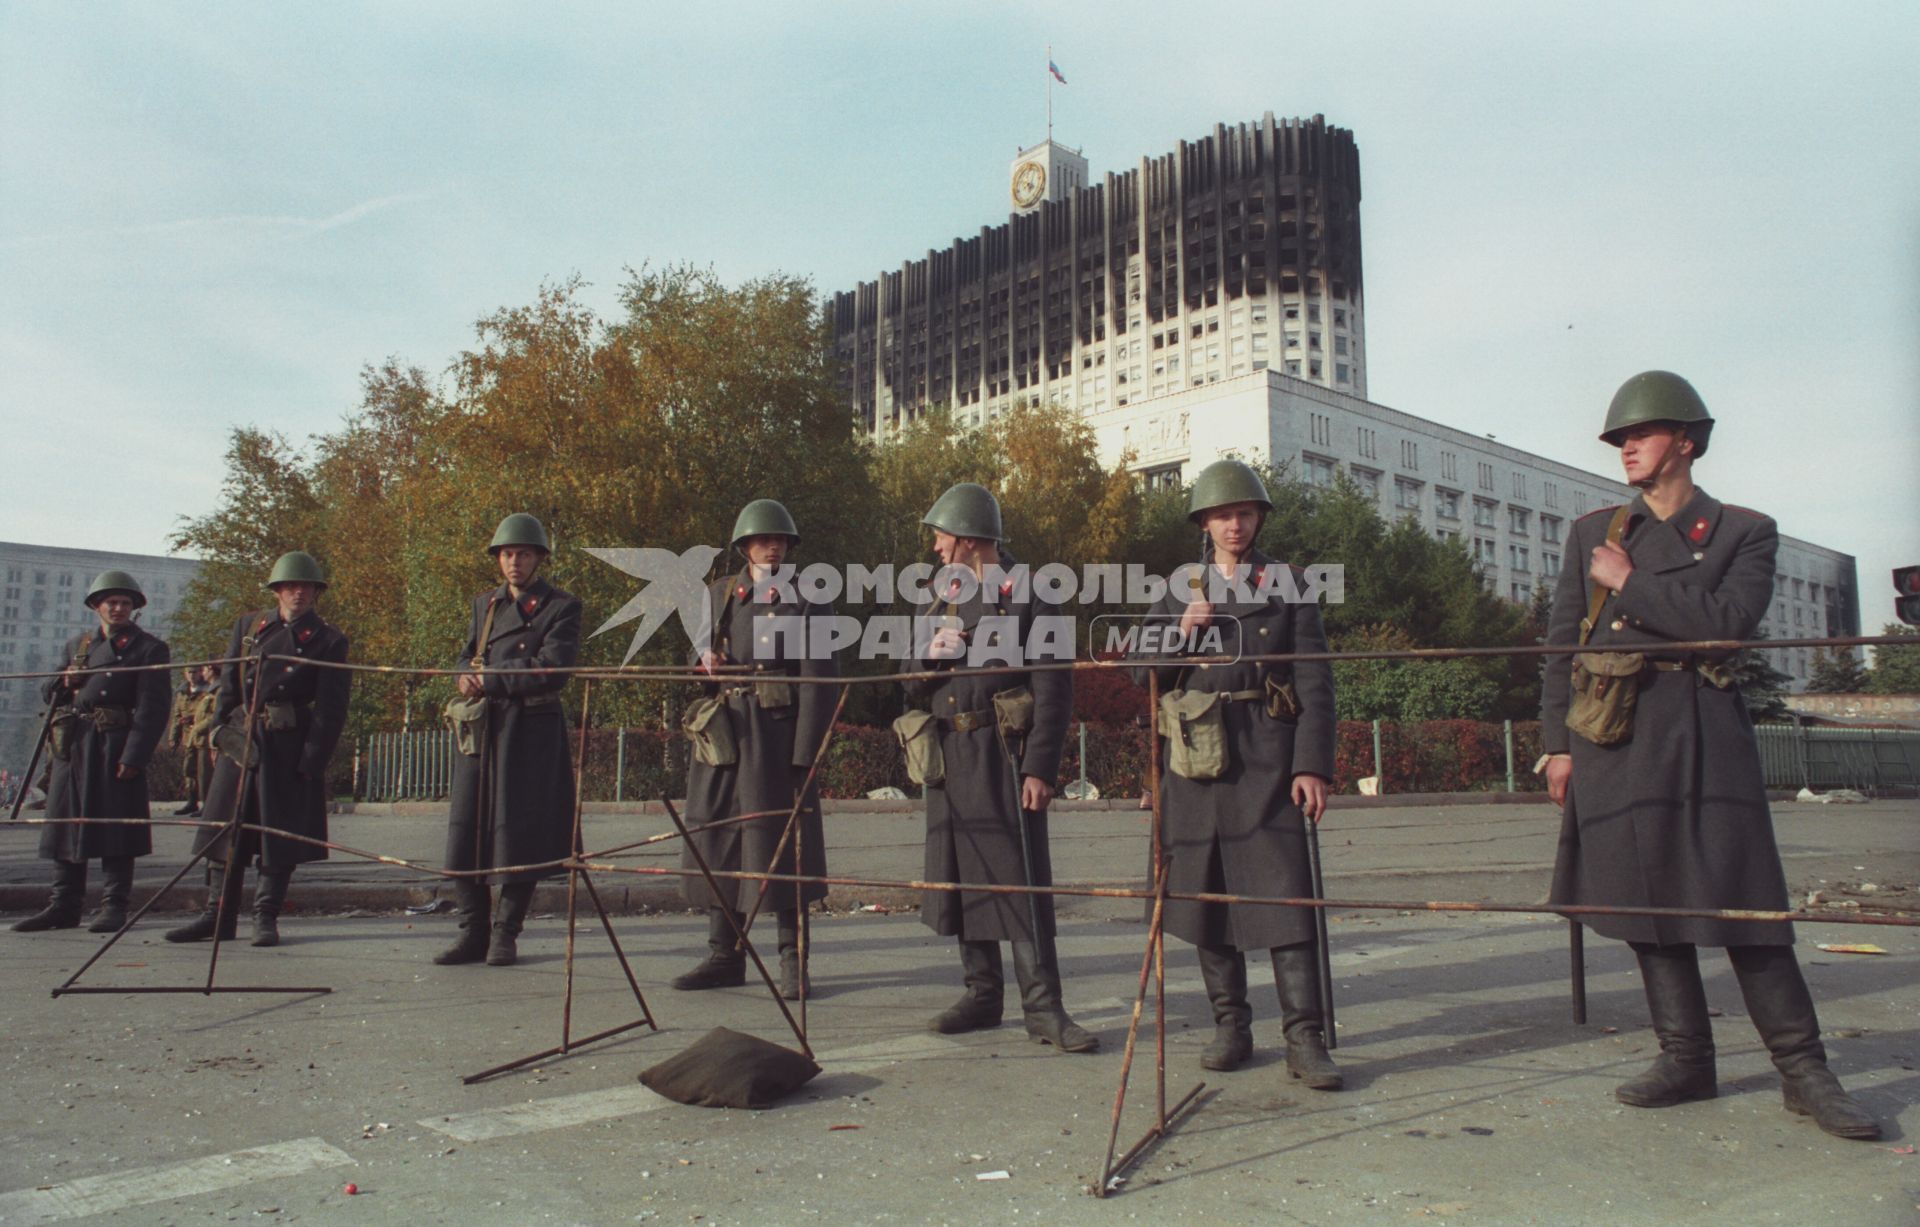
(974, 819)
(1677, 815)
(85, 785)
(287, 790)
(776, 744)
(528, 783)
(1241, 833)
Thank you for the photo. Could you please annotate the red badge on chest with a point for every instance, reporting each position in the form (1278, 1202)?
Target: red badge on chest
(306, 634)
(529, 605)
(1698, 532)
(740, 593)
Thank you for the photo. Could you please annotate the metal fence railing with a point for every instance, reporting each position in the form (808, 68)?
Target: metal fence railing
(418, 766)
(1867, 760)
(413, 766)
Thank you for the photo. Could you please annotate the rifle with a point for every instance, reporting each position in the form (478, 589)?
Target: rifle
(33, 763)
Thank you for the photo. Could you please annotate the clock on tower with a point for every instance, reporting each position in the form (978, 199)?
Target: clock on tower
(1045, 172)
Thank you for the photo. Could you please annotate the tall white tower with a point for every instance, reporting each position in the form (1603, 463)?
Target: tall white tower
(1048, 171)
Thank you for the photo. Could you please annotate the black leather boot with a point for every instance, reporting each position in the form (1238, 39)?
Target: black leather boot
(1037, 968)
(1224, 969)
(794, 981)
(980, 1006)
(269, 896)
(725, 966)
(63, 904)
(475, 908)
(1677, 1001)
(1296, 973)
(515, 899)
(201, 927)
(115, 890)
(1782, 1011)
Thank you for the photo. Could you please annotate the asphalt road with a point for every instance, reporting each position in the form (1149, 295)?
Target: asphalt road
(1473, 1098)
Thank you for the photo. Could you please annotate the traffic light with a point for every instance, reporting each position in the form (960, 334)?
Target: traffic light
(1906, 606)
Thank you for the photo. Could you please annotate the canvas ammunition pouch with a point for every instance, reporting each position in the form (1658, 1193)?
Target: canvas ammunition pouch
(709, 727)
(1605, 686)
(920, 742)
(773, 696)
(62, 727)
(106, 719)
(1194, 723)
(919, 737)
(1013, 712)
(1718, 674)
(468, 720)
(1283, 703)
(233, 740)
(468, 717)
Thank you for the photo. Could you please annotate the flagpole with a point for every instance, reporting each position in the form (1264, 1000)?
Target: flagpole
(1049, 93)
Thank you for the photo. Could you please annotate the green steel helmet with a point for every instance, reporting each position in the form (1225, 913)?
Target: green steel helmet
(966, 510)
(1224, 482)
(520, 529)
(107, 583)
(296, 567)
(1658, 396)
(764, 518)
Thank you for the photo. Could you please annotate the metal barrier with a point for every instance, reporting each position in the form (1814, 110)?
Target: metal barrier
(1866, 760)
(413, 766)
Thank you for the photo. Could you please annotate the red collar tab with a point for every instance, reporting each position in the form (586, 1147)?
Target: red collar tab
(121, 641)
(740, 593)
(529, 605)
(1006, 587)
(1259, 575)
(262, 626)
(306, 634)
(1698, 532)
(953, 589)
(773, 594)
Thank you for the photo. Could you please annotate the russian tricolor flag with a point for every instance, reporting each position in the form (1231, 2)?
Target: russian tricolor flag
(1055, 70)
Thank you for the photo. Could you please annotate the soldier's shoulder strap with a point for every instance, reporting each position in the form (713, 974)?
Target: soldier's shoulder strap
(1616, 528)
(486, 631)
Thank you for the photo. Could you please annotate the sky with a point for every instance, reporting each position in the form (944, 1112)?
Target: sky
(216, 214)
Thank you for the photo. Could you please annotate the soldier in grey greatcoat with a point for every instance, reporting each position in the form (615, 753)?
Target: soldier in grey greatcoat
(512, 800)
(1675, 814)
(987, 818)
(298, 722)
(109, 721)
(777, 729)
(1244, 830)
